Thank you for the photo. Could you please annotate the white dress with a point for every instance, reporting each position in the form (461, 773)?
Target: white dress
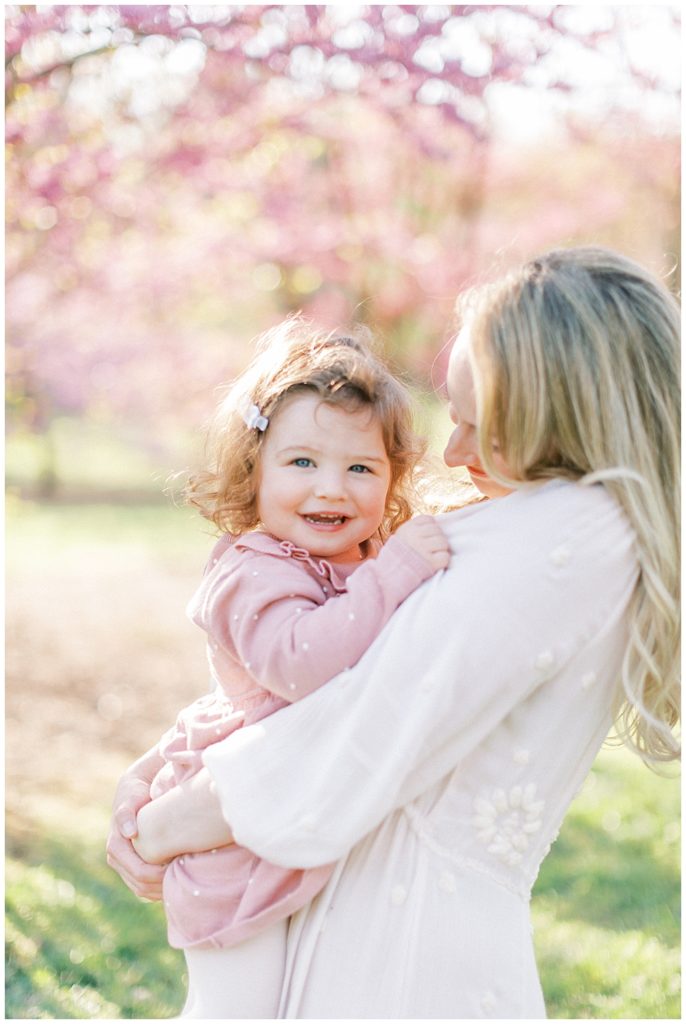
(439, 769)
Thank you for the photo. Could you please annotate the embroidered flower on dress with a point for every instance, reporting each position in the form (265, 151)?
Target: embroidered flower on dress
(505, 822)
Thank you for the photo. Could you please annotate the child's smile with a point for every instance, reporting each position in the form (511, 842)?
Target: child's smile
(324, 477)
(325, 520)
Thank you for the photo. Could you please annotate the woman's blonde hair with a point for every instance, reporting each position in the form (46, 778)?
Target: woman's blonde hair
(577, 375)
(296, 357)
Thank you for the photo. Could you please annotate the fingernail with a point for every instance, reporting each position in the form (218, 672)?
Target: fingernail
(128, 829)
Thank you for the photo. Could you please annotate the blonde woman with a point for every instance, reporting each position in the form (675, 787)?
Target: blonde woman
(438, 771)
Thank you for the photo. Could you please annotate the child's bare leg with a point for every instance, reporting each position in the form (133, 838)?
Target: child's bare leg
(241, 982)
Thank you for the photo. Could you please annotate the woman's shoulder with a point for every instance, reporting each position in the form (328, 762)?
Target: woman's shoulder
(559, 552)
(585, 509)
(554, 522)
(543, 502)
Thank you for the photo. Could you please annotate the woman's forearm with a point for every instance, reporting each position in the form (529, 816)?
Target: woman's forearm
(187, 819)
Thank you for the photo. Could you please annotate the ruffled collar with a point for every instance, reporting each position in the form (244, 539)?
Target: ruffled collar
(265, 543)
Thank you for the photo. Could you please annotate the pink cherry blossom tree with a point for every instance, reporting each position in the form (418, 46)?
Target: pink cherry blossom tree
(179, 177)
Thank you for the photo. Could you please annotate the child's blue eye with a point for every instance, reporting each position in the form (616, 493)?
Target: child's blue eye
(302, 462)
(359, 468)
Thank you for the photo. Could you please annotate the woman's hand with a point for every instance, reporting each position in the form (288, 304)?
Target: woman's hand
(133, 792)
(186, 819)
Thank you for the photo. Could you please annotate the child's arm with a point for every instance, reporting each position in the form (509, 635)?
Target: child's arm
(296, 642)
(186, 819)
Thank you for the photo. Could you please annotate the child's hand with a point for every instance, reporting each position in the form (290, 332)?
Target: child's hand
(424, 535)
(185, 819)
(146, 842)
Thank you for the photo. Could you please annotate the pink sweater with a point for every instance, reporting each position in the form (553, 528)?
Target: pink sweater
(280, 623)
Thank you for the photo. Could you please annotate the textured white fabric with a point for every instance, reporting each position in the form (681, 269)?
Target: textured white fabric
(440, 767)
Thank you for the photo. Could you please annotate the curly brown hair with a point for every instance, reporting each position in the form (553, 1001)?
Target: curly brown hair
(343, 370)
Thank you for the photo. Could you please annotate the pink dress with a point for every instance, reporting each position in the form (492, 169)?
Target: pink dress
(280, 623)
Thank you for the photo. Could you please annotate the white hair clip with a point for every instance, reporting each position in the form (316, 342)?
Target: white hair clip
(254, 419)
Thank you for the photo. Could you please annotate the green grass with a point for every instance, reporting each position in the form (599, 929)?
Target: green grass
(36, 530)
(82, 456)
(79, 945)
(606, 903)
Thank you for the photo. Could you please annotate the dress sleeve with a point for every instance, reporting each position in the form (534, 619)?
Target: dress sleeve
(272, 614)
(535, 576)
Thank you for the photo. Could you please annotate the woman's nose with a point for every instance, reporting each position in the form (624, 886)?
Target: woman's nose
(459, 451)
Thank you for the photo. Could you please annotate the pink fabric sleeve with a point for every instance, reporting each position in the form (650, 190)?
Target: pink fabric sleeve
(275, 618)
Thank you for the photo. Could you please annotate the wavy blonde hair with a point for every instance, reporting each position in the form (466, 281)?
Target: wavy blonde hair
(576, 361)
(296, 357)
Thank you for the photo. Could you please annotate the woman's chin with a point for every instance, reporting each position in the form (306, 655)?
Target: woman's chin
(487, 486)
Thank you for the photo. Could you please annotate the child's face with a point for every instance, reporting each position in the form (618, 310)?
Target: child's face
(324, 477)
(462, 448)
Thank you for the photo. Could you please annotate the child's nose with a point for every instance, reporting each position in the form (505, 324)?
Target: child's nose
(330, 485)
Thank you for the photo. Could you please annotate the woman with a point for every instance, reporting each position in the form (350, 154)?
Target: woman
(438, 771)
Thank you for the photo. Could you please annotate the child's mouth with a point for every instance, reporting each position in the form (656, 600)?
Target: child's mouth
(325, 519)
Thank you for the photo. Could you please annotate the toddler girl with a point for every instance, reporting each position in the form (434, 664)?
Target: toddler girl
(311, 458)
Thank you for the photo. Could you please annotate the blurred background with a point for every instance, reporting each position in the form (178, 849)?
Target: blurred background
(179, 178)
